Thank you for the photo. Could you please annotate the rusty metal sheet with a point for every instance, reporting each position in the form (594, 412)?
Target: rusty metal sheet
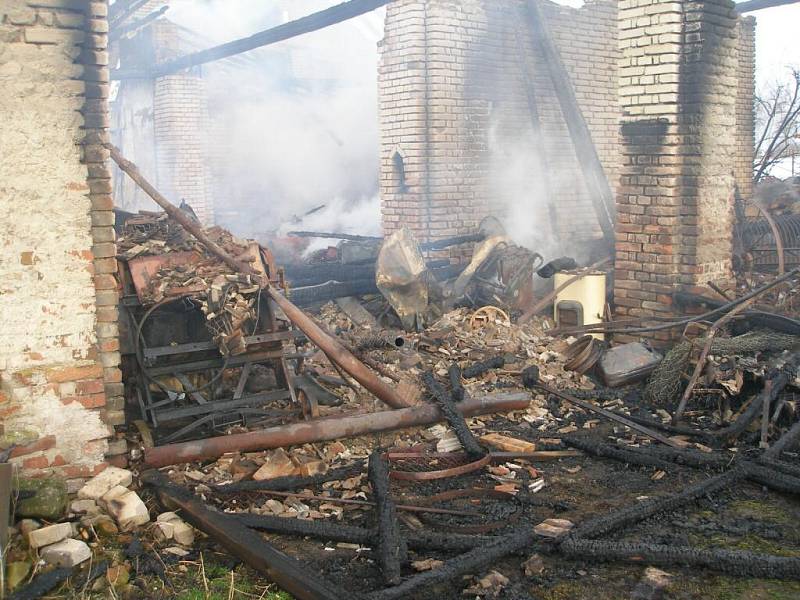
(144, 268)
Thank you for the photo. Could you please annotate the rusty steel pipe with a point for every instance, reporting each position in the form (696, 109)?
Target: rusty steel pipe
(327, 429)
(334, 350)
(328, 344)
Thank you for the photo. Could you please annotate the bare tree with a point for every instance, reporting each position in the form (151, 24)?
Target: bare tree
(777, 125)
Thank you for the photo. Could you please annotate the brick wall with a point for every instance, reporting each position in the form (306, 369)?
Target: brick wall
(678, 82)
(59, 378)
(468, 104)
(745, 117)
(667, 91)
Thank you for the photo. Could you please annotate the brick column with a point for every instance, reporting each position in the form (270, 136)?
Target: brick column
(678, 90)
(182, 126)
(745, 106)
(403, 117)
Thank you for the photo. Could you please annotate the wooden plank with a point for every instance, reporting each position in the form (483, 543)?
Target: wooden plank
(359, 315)
(313, 22)
(596, 180)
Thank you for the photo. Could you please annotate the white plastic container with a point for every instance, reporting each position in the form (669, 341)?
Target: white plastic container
(582, 302)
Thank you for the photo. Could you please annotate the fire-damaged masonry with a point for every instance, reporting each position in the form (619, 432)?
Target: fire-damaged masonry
(61, 390)
(570, 356)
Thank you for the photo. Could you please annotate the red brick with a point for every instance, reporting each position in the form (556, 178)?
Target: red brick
(105, 282)
(75, 373)
(113, 375)
(39, 445)
(90, 386)
(120, 461)
(87, 400)
(109, 345)
(36, 462)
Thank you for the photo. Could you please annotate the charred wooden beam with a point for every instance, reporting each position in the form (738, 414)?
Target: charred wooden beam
(117, 32)
(313, 22)
(585, 150)
(471, 562)
(630, 515)
(337, 532)
(745, 7)
(392, 550)
(287, 572)
(454, 419)
(733, 562)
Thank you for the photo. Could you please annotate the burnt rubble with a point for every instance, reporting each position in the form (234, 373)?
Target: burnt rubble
(476, 452)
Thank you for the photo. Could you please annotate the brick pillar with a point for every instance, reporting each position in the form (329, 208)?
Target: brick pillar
(745, 106)
(403, 115)
(182, 126)
(678, 91)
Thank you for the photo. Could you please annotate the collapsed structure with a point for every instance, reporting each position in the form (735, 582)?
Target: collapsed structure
(625, 127)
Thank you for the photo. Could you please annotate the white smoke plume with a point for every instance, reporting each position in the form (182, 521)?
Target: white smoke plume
(295, 124)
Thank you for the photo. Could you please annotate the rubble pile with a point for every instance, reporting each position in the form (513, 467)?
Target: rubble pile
(228, 299)
(57, 536)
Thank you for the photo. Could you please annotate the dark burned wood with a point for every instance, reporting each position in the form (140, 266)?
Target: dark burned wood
(392, 550)
(473, 561)
(456, 387)
(609, 415)
(479, 368)
(454, 419)
(287, 572)
(734, 562)
(45, 582)
(596, 180)
(313, 22)
(291, 482)
(337, 532)
(745, 7)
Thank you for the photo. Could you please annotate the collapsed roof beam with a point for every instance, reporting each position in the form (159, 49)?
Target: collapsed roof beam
(313, 22)
(752, 5)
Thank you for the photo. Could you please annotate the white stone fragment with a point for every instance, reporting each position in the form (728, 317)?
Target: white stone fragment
(66, 553)
(183, 533)
(51, 534)
(84, 507)
(128, 510)
(164, 530)
(98, 485)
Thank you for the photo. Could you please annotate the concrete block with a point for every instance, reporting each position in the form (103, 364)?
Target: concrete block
(44, 536)
(100, 484)
(67, 553)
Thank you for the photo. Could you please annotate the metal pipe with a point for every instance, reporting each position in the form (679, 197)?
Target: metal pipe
(327, 429)
(334, 350)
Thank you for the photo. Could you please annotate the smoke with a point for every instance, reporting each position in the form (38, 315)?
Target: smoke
(295, 124)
